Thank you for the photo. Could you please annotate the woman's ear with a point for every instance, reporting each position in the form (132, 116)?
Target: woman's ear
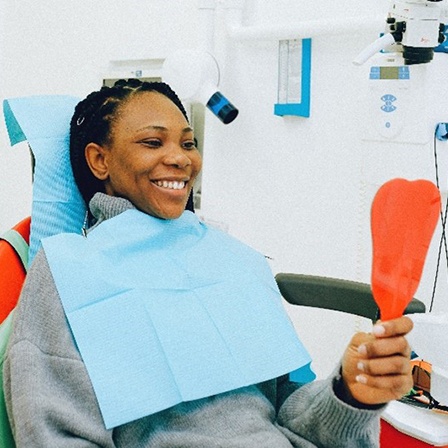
(97, 160)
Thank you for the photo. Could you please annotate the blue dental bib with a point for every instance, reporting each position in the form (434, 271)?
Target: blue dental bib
(166, 311)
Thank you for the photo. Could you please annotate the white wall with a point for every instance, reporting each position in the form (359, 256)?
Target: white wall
(297, 189)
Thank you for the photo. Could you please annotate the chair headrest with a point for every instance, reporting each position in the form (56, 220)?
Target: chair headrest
(44, 122)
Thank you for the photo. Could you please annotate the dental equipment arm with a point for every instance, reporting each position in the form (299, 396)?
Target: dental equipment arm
(416, 29)
(378, 45)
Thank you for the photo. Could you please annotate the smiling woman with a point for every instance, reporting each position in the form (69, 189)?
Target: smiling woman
(121, 128)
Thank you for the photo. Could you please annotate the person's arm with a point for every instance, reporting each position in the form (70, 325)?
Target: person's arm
(315, 413)
(49, 397)
(344, 410)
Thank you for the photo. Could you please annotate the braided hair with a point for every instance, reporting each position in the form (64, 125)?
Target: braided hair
(92, 122)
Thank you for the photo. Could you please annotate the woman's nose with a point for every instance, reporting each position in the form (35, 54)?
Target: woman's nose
(178, 157)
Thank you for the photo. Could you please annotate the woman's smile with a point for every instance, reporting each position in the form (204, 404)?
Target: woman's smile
(170, 184)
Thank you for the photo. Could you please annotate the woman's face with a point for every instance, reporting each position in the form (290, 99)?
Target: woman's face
(152, 159)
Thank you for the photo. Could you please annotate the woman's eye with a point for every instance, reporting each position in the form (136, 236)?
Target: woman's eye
(152, 143)
(189, 144)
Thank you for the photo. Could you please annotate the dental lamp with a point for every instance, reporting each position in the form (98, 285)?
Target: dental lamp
(413, 28)
(194, 76)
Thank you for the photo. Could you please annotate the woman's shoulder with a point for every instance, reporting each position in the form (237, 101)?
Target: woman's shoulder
(39, 317)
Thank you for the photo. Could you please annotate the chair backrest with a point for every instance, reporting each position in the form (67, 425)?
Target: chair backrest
(13, 265)
(43, 121)
(334, 294)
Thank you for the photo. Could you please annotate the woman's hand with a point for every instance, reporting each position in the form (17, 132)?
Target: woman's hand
(376, 366)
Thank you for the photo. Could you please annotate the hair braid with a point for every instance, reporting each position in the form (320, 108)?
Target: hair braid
(92, 122)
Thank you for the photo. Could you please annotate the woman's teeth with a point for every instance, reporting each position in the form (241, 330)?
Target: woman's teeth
(169, 184)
